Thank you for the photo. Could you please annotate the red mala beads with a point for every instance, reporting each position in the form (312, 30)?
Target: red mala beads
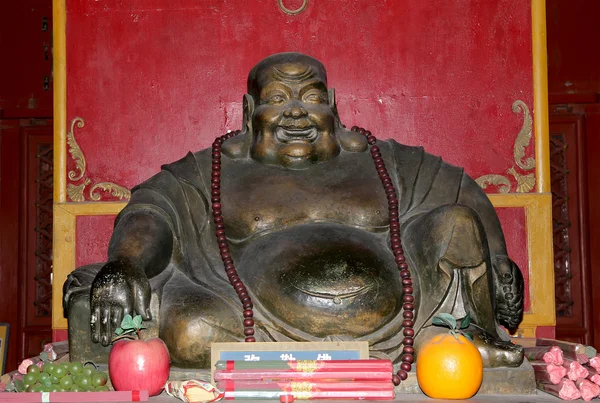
(395, 244)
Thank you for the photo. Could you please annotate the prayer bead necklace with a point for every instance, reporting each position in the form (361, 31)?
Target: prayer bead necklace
(395, 243)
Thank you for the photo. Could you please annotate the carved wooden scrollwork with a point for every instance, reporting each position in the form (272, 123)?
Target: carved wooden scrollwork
(525, 182)
(76, 192)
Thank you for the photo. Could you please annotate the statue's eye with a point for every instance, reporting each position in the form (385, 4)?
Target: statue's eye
(275, 99)
(314, 97)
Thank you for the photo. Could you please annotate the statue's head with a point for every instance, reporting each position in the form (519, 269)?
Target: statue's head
(289, 113)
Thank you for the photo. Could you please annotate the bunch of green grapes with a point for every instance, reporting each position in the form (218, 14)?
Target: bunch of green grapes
(64, 377)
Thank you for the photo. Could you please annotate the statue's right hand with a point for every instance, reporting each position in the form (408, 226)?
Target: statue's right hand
(119, 289)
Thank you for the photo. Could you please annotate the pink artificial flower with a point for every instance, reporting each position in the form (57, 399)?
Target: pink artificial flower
(24, 365)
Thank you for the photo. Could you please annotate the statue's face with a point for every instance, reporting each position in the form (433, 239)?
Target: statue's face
(293, 123)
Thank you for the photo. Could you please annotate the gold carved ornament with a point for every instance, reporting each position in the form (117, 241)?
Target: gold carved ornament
(76, 192)
(525, 181)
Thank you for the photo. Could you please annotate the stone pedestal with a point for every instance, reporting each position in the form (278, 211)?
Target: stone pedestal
(496, 381)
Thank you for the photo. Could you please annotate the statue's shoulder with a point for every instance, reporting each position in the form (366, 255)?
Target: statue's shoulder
(406, 155)
(190, 161)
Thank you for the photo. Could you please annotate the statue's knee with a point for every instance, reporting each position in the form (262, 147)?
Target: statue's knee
(189, 334)
(464, 236)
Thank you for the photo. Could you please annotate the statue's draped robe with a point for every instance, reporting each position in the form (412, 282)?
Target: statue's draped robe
(180, 194)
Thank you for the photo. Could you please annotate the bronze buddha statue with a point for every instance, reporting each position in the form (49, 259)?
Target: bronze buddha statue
(307, 224)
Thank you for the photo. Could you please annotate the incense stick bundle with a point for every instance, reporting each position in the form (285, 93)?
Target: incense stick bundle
(566, 346)
(293, 370)
(548, 354)
(565, 389)
(595, 362)
(308, 365)
(575, 370)
(549, 373)
(307, 390)
(588, 389)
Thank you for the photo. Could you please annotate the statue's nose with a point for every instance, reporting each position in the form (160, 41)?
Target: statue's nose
(295, 110)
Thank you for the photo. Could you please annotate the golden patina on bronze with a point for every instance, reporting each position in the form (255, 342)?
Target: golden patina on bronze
(76, 192)
(307, 366)
(525, 182)
(115, 190)
(290, 11)
(302, 390)
(75, 151)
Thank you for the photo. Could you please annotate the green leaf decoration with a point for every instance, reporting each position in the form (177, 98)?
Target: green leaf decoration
(445, 319)
(137, 322)
(465, 322)
(127, 323)
(119, 331)
(468, 335)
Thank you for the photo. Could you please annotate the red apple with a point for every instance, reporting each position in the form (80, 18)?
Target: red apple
(139, 365)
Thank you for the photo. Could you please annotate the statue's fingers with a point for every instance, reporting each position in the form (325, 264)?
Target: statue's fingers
(142, 302)
(116, 316)
(95, 328)
(105, 326)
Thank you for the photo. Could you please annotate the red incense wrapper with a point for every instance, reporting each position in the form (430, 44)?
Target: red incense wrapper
(588, 389)
(308, 365)
(292, 370)
(575, 370)
(549, 373)
(75, 397)
(565, 390)
(265, 375)
(307, 390)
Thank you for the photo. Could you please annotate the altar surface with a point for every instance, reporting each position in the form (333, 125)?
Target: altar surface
(540, 397)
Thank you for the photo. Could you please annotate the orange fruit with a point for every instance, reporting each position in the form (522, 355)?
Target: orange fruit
(449, 368)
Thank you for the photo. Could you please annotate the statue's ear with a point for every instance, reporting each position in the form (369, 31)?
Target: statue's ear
(349, 140)
(333, 106)
(239, 146)
(248, 108)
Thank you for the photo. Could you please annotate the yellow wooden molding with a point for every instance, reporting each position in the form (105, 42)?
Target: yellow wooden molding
(64, 247)
(540, 94)
(538, 216)
(59, 55)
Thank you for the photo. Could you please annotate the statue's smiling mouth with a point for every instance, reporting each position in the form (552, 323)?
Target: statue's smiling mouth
(295, 135)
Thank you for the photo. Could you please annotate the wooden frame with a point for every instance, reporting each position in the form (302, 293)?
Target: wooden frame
(4, 334)
(537, 204)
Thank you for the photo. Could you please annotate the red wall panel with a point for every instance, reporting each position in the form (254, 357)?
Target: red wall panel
(154, 79)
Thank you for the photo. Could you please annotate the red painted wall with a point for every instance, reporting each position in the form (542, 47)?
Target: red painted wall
(155, 79)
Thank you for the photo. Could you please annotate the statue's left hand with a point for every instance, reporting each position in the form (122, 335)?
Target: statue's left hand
(119, 289)
(509, 284)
